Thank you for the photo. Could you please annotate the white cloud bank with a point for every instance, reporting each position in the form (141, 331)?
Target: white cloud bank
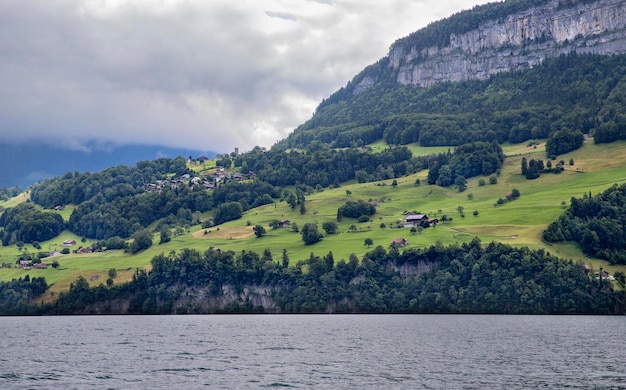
(210, 75)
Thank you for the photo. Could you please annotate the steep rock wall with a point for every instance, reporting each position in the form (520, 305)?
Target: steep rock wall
(517, 42)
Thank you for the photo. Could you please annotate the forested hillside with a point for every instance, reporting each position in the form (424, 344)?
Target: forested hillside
(597, 222)
(578, 92)
(468, 278)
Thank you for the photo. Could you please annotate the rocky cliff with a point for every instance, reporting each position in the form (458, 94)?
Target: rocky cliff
(516, 41)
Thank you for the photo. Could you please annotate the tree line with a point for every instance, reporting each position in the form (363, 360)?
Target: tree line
(466, 278)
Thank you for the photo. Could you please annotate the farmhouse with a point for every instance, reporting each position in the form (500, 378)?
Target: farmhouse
(69, 242)
(415, 219)
(399, 242)
(285, 224)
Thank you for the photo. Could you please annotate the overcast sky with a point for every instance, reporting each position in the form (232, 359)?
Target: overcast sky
(205, 75)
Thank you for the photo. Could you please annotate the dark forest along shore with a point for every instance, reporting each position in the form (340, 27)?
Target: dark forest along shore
(313, 351)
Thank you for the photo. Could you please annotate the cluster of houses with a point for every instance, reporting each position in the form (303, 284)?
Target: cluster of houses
(27, 264)
(80, 250)
(209, 182)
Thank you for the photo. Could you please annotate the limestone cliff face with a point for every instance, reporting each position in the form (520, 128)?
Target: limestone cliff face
(518, 41)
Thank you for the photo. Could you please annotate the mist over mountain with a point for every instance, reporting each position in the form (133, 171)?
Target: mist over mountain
(24, 164)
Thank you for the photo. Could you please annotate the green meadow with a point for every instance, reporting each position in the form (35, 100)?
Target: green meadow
(518, 223)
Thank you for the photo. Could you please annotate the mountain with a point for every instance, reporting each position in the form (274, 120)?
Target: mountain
(24, 164)
(527, 61)
(490, 40)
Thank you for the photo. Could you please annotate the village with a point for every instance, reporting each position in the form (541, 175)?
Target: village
(207, 180)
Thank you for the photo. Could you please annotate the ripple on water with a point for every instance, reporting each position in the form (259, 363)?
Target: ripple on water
(338, 352)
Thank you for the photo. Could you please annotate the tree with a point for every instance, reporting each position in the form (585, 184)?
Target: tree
(141, 240)
(368, 242)
(348, 192)
(355, 209)
(275, 224)
(330, 227)
(460, 183)
(164, 236)
(259, 231)
(112, 273)
(291, 200)
(310, 234)
(493, 180)
(563, 141)
(445, 176)
(413, 230)
(394, 183)
(285, 259)
(533, 170)
(524, 166)
(228, 212)
(475, 213)
(55, 264)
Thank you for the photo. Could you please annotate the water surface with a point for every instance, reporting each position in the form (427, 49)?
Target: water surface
(313, 351)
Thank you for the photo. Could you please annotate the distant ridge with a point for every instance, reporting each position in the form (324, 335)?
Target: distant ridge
(25, 164)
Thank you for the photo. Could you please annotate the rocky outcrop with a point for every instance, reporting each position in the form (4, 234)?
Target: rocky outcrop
(516, 42)
(200, 300)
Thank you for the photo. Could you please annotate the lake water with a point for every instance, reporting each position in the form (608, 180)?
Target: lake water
(313, 351)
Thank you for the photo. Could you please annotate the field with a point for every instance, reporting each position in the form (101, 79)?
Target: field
(518, 223)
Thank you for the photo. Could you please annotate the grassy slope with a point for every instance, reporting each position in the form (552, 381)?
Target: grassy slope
(518, 223)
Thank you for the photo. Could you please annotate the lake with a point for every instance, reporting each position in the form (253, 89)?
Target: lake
(313, 351)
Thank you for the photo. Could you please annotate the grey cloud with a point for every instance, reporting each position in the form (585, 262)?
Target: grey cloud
(209, 74)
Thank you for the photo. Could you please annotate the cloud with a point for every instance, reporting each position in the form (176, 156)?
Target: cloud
(188, 73)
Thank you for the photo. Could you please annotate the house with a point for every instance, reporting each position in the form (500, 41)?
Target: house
(59, 208)
(40, 266)
(69, 242)
(415, 219)
(604, 275)
(433, 222)
(285, 224)
(202, 159)
(82, 250)
(399, 242)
